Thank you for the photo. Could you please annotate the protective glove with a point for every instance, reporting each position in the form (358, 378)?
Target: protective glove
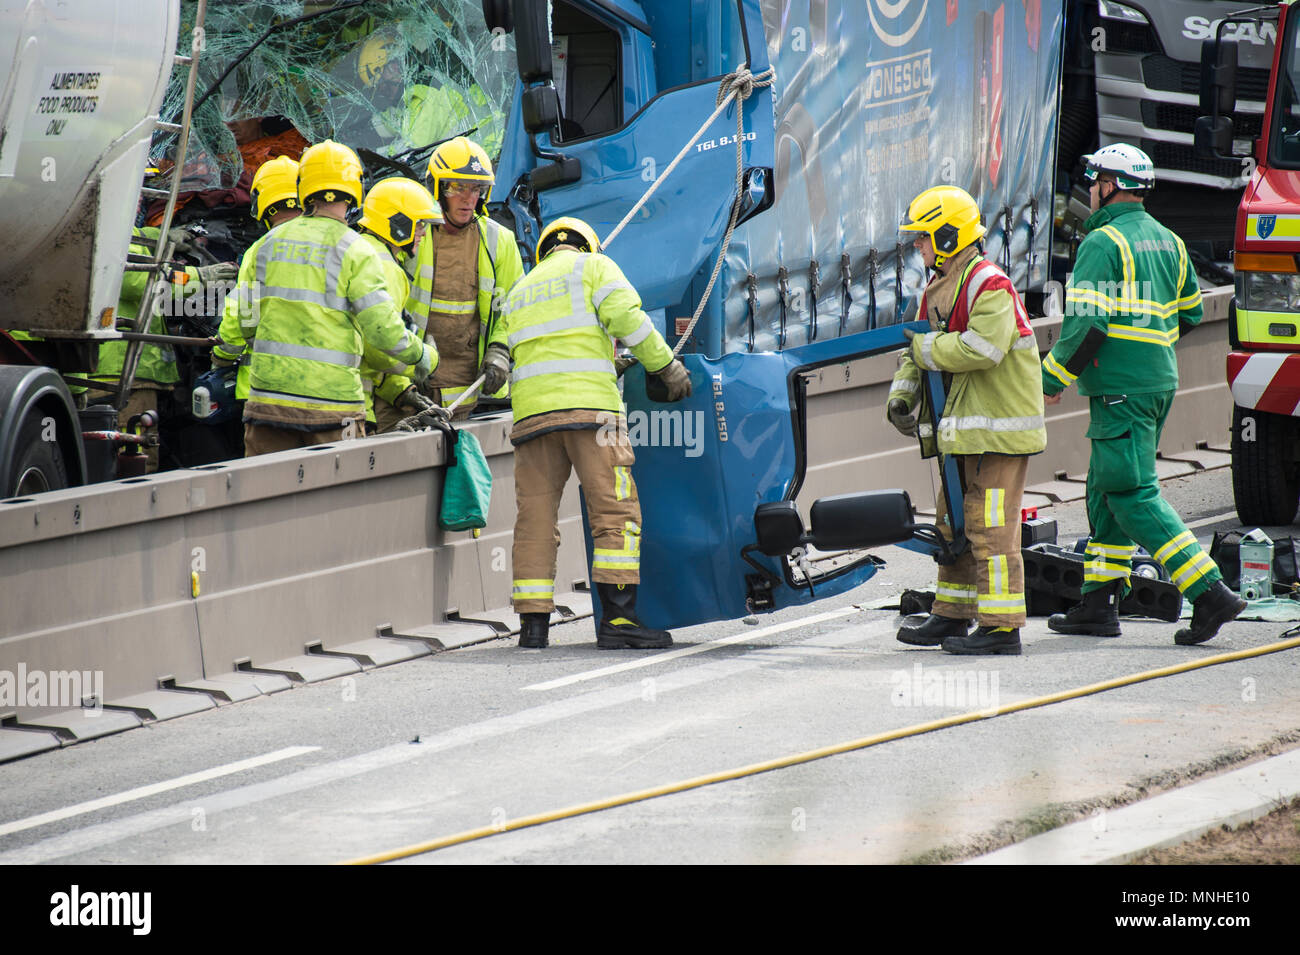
(411, 400)
(678, 380)
(622, 363)
(901, 418)
(424, 367)
(221, 272)
(430, 418)
(182, 239)
(496, 368)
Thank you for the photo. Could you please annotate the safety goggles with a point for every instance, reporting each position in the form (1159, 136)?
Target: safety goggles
(460, 187)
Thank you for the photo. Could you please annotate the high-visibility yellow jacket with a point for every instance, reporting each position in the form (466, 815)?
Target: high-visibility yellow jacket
(157, 364)
(560, 322)
(984, 340)
(499, 268)
(382, 374)
(319, 296)
(231, 346)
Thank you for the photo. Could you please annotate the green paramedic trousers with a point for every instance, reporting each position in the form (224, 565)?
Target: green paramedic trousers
(1124, 503)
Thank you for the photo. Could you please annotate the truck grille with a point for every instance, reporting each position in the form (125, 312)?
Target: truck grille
(1182, 119)
(1161, 72)
(1124, 37)
(1177, 156)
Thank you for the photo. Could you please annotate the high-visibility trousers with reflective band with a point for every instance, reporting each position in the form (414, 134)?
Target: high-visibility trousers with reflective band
(988, 580)
(1124, 503)
(603, 462)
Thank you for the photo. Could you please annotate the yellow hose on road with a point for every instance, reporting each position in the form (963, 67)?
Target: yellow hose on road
(806, 757)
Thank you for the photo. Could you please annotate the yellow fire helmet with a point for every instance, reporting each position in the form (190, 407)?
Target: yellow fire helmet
(393, 207)
(460, 160)
(329, 171)
(275, 184)
(949, 215)
(567, 231)
(374, 57)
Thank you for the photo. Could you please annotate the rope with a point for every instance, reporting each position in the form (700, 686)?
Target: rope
(738, 85)
(809, 756)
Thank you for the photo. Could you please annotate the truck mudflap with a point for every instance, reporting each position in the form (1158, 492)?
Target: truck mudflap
(1265, 381)
(703, 466)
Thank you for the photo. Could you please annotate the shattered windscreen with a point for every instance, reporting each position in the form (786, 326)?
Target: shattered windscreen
(390, 77)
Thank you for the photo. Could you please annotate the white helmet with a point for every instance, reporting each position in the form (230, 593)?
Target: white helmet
(1131, 167)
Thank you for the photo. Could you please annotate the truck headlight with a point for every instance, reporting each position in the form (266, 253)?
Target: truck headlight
(1269, 291)
(1118, 11)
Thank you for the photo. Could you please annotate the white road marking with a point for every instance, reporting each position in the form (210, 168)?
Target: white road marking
(1211, 520)
(687, 651)
(140, 792)
(106, 833)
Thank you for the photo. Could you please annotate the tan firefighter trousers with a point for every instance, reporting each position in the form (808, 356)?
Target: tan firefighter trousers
(988, 580)
(603, 460)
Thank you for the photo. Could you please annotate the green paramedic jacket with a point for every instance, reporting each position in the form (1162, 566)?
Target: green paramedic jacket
(994, 401)
(560, 322)
(1131, 287)
(319, 297)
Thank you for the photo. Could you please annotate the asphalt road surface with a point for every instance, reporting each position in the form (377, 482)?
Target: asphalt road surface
(478, 737)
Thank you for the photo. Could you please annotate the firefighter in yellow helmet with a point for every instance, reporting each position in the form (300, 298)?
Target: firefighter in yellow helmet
(558, 326)
(992, 422)
(319, 298)
(477, 261)
(394, 219)
(274, 194)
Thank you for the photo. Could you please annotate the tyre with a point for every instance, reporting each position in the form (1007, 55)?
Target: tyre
(1265, 477)
(37, 463)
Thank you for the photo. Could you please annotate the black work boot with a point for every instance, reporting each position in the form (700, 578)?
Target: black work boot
(986, 640)
(619, 627)
(1210, 611)
(533, 630)
(933, 631)
(1096, 616)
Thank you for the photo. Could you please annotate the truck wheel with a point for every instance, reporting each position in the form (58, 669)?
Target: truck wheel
(37, 463)
(1265, 477)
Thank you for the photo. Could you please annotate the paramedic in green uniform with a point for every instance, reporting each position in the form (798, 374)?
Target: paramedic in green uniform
(1132, 291)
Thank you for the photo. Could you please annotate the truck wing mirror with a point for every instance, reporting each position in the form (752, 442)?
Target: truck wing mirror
(862, 519)
(1218, 77)
(843, 522)
(532, 41)
(541, 109)
(563, 171)
(1212, 136)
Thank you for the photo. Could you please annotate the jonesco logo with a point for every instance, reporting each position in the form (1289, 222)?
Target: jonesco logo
(896, 21)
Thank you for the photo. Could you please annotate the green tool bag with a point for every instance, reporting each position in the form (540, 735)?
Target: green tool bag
(467, 486)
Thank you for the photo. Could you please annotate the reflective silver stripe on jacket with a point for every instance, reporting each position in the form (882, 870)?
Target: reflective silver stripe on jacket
(905, 385)
(324, 299)
(307, 352)
(977, 342)
(422, 295)
(402, 345)
(562, 324)
(561, 366)
(641, 333)
(605, 291)
(927, 346)
(377, 297)
(983, 272)
(982, 423)
(1026, 341)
